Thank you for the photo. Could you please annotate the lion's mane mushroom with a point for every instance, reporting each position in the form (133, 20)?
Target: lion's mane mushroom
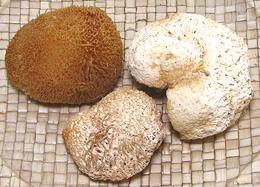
(116, 138)
(204, 66)
(72, 55)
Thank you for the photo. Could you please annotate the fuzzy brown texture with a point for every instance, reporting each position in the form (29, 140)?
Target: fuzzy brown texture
(72, 56)
(115, 139)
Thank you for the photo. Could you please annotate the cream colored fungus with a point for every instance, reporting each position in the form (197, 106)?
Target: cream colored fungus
(204, 66)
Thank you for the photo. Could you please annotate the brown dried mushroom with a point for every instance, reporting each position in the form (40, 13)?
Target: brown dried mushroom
(72, 55)
(116, 138)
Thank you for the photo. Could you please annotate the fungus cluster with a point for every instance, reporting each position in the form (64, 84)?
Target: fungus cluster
(116, 138)
(72, 55)
(204, 67)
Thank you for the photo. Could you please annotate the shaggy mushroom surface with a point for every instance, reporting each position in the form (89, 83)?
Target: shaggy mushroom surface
(116, 138)
(204, 67)
(72, 55)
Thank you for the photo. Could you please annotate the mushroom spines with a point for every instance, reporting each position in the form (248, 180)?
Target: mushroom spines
(71, 55)
(202, 63)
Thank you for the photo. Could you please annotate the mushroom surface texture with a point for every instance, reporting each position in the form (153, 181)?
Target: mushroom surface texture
(72, 55)
(116, 138)
(204, 67)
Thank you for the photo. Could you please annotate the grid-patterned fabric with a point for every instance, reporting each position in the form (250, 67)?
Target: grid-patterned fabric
(32, 151)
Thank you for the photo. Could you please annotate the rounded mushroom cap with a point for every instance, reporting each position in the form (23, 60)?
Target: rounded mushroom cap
(72, 55)
(205, 67)
(116, 138)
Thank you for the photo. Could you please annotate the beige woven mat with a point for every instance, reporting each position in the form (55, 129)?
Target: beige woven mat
(32, 152)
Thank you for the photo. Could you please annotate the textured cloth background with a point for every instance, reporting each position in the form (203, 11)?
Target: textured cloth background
(32, 152)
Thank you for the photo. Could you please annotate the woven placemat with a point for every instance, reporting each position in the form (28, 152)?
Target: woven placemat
(32, 152)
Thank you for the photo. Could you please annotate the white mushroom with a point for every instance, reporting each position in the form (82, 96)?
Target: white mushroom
(203, 64)
(116, 138)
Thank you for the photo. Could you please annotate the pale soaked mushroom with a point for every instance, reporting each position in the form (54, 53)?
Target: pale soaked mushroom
(116, 138)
